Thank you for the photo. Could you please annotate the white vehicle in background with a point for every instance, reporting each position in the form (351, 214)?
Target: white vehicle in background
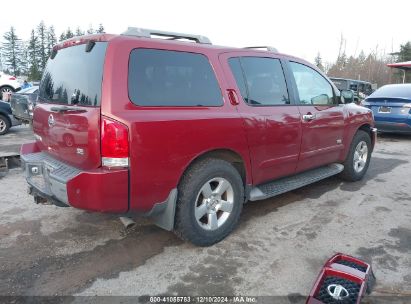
(8, 85)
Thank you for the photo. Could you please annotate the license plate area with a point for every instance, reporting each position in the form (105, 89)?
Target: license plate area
(384, 109)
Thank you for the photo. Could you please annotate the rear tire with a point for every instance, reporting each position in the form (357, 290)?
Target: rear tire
(210, 200)
(4, 125)
(358, 158)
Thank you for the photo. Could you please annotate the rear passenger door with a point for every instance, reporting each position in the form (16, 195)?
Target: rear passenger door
(322, 117)
(271, 121)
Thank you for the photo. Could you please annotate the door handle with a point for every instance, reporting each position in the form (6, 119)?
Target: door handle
(309, 117)
(232, 95)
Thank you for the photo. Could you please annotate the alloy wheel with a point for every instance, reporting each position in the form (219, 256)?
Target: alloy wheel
(360, 156)
(3, 125)
(214, 203)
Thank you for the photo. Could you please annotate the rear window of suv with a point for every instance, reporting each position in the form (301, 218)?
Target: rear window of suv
(74, 76)
(170, 78)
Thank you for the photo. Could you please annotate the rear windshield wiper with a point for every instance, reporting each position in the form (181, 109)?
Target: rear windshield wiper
(64, 109)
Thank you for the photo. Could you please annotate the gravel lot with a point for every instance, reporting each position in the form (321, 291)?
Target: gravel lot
(278, 248)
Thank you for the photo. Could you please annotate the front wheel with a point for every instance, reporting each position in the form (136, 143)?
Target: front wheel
(4, 125)
(358, 159)
(210, 200)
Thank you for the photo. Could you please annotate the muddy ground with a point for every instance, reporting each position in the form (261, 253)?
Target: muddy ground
(277, 249)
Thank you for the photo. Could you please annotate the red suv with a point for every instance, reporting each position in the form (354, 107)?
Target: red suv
(186, 132)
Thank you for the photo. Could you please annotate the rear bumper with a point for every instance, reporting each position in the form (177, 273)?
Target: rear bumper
(22, 119)
(99, 189)
(400, 127)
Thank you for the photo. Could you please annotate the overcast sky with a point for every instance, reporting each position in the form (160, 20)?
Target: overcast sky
(300, 28)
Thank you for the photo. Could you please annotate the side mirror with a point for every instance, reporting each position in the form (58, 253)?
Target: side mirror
(320, 100)
(347, 96)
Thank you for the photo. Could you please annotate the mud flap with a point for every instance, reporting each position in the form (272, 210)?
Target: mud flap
(165, 219)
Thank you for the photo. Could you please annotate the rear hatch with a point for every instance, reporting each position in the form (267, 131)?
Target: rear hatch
(390, 109)
(67, 115)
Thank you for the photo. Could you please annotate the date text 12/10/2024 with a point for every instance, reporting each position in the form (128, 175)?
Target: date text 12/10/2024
(203, 299)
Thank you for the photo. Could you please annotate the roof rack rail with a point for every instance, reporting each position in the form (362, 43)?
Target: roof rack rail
(268, 48)
(147, 33)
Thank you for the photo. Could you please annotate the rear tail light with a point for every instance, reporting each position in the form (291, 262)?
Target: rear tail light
(12, 78)
(114, 143)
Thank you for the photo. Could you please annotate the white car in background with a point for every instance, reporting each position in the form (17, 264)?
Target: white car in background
(8, 85)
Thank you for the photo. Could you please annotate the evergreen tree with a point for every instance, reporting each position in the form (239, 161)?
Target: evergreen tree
(319, 62)
(405, 52)
(100, 29)
(42, 43)
(25, 62)
(34, 72)
(51, 40)
(69, 33)
(1, 60)
(404, 55)
(90, 30)
(12, 51)
(79, 32)
(62, 37)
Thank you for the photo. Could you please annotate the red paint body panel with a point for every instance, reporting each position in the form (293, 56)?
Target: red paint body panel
(163, 141)
(355, 117)
(100, 190)
(29, 148)
(319, 145)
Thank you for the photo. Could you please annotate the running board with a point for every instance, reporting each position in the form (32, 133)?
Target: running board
(286, 184)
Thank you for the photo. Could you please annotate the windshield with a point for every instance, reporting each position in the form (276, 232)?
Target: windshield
(398, 91)
(74, 76)
(340, 83)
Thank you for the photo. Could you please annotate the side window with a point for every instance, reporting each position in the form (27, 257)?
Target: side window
(235, 66)
(353, 86)
(261, 80)
(361, 87)
(169, 78)
(368, 89)
(312, 87)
